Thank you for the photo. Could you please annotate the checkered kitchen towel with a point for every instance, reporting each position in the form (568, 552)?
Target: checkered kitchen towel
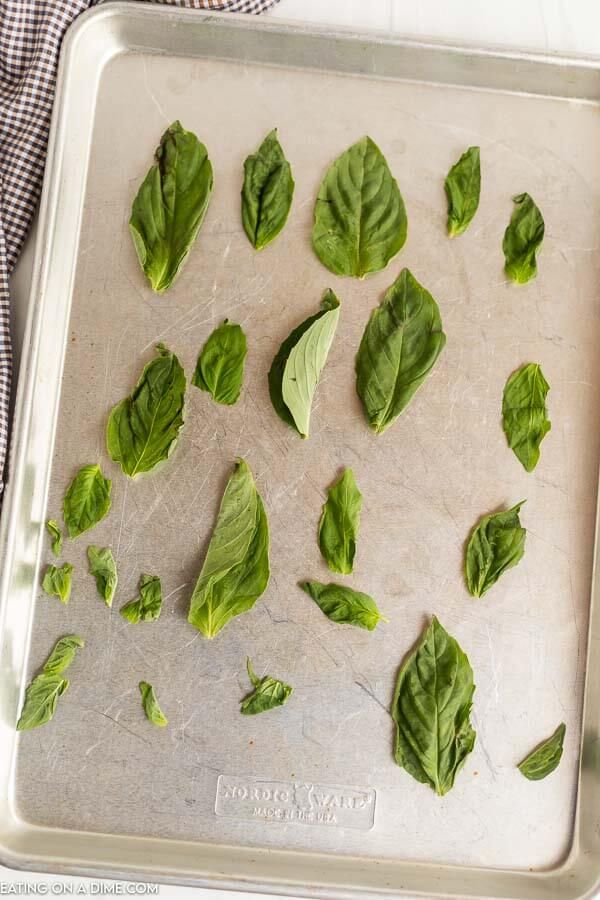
(30, 36)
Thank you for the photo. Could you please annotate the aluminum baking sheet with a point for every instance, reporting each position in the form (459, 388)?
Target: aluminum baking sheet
(308, 800)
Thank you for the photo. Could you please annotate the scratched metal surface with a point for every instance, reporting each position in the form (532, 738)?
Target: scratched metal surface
(99, 766)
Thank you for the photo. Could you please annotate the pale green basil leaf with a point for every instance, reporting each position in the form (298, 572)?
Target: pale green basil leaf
(463, 185)
(41, 698)
(146, 607)
(220, 366)
(267, 694)
(104, 570)
(497, 543)
(524, 413)
(267, 192)
(57, 581)
(170, 205)
(545, 758)
(63, 654)
(398, 350)
(143, 429)
(150, 705)
(360, 219)
(523, 240)
(343, 605)
(235, 571)
(56, 535)
(338, 529)
(87, 500)
(431, 708)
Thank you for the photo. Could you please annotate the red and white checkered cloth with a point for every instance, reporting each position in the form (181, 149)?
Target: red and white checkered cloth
(30, 36)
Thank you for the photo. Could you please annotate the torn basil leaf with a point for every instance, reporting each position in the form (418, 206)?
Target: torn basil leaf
(170, 205)
(235, 571)
(104, 570)
(463, 185)
(267, 694)
(150, 705)
(87, 500)
(344, 605)
(398, 350)
(546, 756)
(57, 581)
(497, 543)
(298, 364)
(56, 535)
(359, 220)
(338, 529)
(143, 429)
(146, 607)
(524, 414)
(41, 698)
(63, 654)
(267, 192)
(431, 708)
(220, 366)
(523, 240)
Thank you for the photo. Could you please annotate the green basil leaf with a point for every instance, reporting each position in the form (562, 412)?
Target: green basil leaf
(360, 219)
(398, 350)
(545, 758)
(235, 571)
(87, 500)
(63, 654)
(463, 185)
(153, 711)
(431, 708)
(143, 429)
(267, 694)
(147, 607)
(497, 543)
(57, 581)
(523, 240)
(524, 413)
(170, 205)
(104, 570)
(343, 605)
(267, 192)
(338, 529)
(220, 366)
(56, 535)
(41, 698)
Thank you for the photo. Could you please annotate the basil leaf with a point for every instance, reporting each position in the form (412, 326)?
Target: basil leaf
(497, 543)
(524, 414)
(87, 500)
(63, 654)
(267, 192)
(41, 698)
(297, 366)
(545, 758)
(147, 607)
(104, 570)
(523, 240)
(360, 219)
(338, 529)
(235, 571)
(267, 694)
(56, 535)
(153, 711)
(343, 605)
(431, 708)
(463, 185)
(57, 581)
(220, 366)
(398, 350)
(170, 205)
(143, 429)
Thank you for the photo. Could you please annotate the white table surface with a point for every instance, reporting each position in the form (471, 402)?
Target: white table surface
(569, 26)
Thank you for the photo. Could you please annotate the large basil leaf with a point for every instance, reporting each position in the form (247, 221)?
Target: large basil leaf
(170, 205)
(431, 708)
(338, 529)
(546, 757)
(343, 605)
(267, 192)
(524, 413)
(57, 581)
(497, 543)
(41, 698)
(146, 607)
(56, 535)
(104, 569)
(87, 500)
(63, 654)
(463, 185)
(235, 571)
(267, 694)
(398, 350)
(151, 706)
(220, 366)
(523, 240)
(143, 429)
(360, 219)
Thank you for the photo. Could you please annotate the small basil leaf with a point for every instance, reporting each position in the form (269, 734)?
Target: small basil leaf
(431, 708)
(150, 705)
(41, 698)
(220, 366)
(267, 694)
(360, 219)
(398, 350)
(338, 529)
(87, 500)
(267, 192)
(463, 185)
(63, 654)
(545, 758)
(170, 205)
(524, 414)
(143, 429)
(104, 570)
(497, 543)
(56, 535)
(343, 605)
(523, 240)
(147, 607)
(57, 581)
